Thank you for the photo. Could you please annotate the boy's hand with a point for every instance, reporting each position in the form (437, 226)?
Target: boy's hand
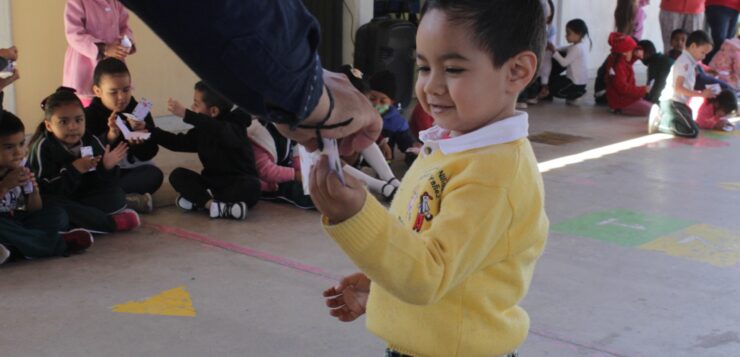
(348, 300)
(551, 47)
(137, 125)
(708, 93)
(14, 178)
(113, 131)
(333, 199)
(176, 108)
(111, 158)
(84, 164)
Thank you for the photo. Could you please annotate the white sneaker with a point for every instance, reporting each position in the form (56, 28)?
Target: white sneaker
(183, 203)
(532, 101)
(236, 210)
(4, 254)
(573, 102)
(521, 105)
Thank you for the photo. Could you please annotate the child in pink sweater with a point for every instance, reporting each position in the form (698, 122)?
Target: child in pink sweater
(94, 30)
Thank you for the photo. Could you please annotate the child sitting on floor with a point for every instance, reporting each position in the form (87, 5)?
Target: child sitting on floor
(228, 185)
(76, 171)
(33, 231)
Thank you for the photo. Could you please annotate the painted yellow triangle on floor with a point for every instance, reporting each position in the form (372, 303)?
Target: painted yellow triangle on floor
(173, 302)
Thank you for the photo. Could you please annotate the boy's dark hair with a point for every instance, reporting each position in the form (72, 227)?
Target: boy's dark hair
(699, 38)
(726, 101)
(503, 28)
(359, 83)
(10, 124)
(110, 66)
(647, 47)
(552, 11)
(211, 98)
(62, 96)
(677, 32)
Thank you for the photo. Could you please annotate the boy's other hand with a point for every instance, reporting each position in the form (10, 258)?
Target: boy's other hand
(348, 300)
(336, 201)
(176, 108)
(708, 93)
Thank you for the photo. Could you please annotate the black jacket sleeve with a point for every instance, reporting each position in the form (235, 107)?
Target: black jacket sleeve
(53, 177)
(187, 142)
(260, 54)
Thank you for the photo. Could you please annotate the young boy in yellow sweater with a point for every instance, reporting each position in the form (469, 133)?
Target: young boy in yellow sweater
(444, 271)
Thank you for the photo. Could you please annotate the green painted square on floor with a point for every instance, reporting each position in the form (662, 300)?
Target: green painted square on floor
(621, 226)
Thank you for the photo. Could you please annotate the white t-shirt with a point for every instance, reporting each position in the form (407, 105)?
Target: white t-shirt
(576, 62)
(685, 66)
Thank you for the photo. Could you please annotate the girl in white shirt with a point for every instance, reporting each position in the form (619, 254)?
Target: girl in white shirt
(572, 85)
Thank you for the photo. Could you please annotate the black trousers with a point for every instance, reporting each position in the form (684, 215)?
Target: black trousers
(142, 179)
(35, 234)
(676, 118)
(194, 187)
(93, 210)
(561, 86)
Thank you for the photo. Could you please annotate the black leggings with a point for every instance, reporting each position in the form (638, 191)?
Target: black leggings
(141, 179)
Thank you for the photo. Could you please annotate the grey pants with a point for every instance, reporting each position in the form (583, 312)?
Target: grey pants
(670, 21)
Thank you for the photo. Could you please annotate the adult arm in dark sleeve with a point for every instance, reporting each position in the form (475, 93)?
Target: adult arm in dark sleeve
(262, 55)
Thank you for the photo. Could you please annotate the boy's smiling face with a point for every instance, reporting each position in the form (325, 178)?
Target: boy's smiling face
(458, 83)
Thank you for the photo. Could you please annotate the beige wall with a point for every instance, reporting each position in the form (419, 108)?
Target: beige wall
(38, 31)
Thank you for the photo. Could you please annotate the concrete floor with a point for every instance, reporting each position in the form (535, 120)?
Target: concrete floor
(643, 260)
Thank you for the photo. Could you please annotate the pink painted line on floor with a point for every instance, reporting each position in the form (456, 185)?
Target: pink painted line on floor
(264, 256)
(292, 264)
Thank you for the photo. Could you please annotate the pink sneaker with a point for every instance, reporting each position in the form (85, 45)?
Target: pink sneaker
(78, 240)
(126, 220)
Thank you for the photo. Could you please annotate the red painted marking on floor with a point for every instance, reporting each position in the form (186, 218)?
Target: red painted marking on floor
(264, 256)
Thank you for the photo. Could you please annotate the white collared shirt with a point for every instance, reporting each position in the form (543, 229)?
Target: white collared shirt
(499, 132)
(685, 66)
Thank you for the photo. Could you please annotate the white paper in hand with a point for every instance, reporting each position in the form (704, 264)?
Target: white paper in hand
(28, 186)
(142, 110)
(308, 159)
(87, 151)
(331, 150)
(131, 135)
(715, 88)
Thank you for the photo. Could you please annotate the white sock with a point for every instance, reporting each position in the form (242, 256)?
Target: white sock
(374, 184)
(375, 158)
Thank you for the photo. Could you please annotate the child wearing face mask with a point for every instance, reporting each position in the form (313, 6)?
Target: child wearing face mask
(140, 178)
(395, 127)
(76, 171)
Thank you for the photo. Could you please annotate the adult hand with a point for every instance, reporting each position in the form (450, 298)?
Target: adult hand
(115, 50)
(348, 300)
(9, 53)
(348, 103)
(4, 82)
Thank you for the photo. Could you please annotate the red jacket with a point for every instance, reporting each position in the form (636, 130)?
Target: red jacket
(621, 89)
(683, 6)
(732, 4)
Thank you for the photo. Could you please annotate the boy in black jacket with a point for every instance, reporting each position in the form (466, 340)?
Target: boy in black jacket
(139, 178)
(229, 183)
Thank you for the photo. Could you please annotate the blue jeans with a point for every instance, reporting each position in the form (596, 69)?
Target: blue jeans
(722, 21)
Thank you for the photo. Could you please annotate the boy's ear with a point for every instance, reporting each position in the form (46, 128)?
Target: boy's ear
(214, 111)
(97, 91)
(521, 70)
